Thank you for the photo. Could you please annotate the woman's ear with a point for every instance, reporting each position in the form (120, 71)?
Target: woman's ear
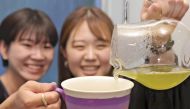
(4, 50)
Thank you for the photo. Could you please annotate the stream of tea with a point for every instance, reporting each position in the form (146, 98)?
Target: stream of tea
(157, 77)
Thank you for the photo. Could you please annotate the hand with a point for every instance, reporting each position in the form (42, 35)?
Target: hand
(29, 96)
(158, 9)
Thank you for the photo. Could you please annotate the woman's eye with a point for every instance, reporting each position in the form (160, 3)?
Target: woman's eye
(79, 47)
(27, 44)
(48, 46)
(101, 46)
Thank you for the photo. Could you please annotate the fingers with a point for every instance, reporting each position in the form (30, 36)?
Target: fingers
(171, 9)
(37, 87)
(53, 100)
(30, 96)
(177, 9)
(147, 4)
(155, 11)
(151, 11)
(49, 97)
(183, 10)
(56, 105)
(48, 87)
(144, 13)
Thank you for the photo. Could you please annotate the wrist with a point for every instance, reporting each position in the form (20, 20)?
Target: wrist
(8, 103)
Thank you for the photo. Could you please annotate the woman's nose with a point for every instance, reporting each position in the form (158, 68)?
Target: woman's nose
(90, 53)
(37, 54)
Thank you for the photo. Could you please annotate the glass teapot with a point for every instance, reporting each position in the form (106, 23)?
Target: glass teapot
(154, 53)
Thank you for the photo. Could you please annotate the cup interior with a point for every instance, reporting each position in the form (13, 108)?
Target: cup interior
(97, 87)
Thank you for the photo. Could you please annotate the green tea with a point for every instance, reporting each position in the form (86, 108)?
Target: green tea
(157, 77)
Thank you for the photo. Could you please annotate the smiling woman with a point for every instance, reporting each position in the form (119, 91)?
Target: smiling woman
(85, 44)
(28, 38)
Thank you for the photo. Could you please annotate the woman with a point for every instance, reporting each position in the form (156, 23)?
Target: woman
(28, 38)
(85, 44)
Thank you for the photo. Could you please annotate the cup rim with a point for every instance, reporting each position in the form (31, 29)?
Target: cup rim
(97, 94)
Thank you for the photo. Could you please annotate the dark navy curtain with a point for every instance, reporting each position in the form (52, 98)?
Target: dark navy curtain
(56, 9)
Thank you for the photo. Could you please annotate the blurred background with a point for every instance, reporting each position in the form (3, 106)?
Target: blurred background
(58, 10)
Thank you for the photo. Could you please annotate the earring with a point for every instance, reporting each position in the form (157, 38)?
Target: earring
(66, 63)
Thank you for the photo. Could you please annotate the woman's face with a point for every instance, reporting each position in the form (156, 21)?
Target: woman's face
(86, 54)
(28, 59)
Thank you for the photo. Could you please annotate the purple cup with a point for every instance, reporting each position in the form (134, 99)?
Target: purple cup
(96, 92)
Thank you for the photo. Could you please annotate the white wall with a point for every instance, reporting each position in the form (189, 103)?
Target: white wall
(115, 9)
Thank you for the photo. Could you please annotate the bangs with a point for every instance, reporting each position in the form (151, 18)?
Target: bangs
(33, 33)
(100, 29)
(30, 24)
